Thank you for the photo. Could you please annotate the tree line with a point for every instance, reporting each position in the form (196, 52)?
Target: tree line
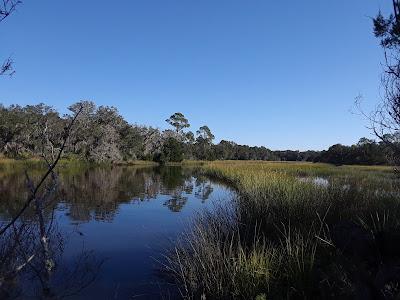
(101, 134)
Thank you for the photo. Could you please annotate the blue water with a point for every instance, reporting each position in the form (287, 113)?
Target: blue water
(125, 220)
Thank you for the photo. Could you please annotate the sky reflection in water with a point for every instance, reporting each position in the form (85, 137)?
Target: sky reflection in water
(128, 216)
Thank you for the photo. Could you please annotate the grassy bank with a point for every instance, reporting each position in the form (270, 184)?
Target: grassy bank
(188, 163)
(296, 230)
(72, 161)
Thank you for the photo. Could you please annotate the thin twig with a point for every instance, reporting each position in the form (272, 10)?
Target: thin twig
(44, 177)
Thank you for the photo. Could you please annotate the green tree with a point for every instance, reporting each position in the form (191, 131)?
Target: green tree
(82, 135)
(189, 137)
(12, 124)
(385, 119)
(178, 121)
(204, 134)
(172, 151)
(204, 149)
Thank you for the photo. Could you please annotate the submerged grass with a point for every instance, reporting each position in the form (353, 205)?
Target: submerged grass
(283, 237)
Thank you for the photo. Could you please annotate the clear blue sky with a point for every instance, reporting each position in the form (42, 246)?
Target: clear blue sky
(282, 74)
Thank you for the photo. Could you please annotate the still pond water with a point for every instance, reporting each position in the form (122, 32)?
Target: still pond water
(115, 224)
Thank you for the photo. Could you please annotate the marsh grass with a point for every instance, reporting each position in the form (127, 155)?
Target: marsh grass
(283, 237)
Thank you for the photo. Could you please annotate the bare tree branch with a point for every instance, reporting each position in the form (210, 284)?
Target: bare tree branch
(7, 67)
(7, 7)
(49, 171)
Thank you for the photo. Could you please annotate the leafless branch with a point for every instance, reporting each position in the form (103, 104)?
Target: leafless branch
(7, 7)
(7, 67)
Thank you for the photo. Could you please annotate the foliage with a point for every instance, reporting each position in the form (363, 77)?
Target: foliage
(172, 151)
(365, 152)
(296, 231)
(385, 119)
(101, 134)
(178, 121)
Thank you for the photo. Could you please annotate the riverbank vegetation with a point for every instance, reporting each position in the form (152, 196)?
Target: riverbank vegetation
(101, 134)
(296, 230)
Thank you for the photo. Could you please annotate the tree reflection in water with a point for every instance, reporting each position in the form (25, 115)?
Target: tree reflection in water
(31, 251)
(203, 188)
(30, 268)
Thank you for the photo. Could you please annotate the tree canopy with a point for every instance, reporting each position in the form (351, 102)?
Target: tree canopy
(101, 134)
(178, 121)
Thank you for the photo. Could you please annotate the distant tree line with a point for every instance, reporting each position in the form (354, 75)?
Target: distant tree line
(101, 134)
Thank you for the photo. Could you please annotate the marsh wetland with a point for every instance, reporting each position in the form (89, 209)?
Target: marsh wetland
(220, 230)
(200, 150)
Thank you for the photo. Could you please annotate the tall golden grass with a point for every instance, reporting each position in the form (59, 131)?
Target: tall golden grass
(295, 230)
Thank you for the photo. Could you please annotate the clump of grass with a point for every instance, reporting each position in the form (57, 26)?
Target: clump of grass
(212, 260)
(288, 238)
(217, 259)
